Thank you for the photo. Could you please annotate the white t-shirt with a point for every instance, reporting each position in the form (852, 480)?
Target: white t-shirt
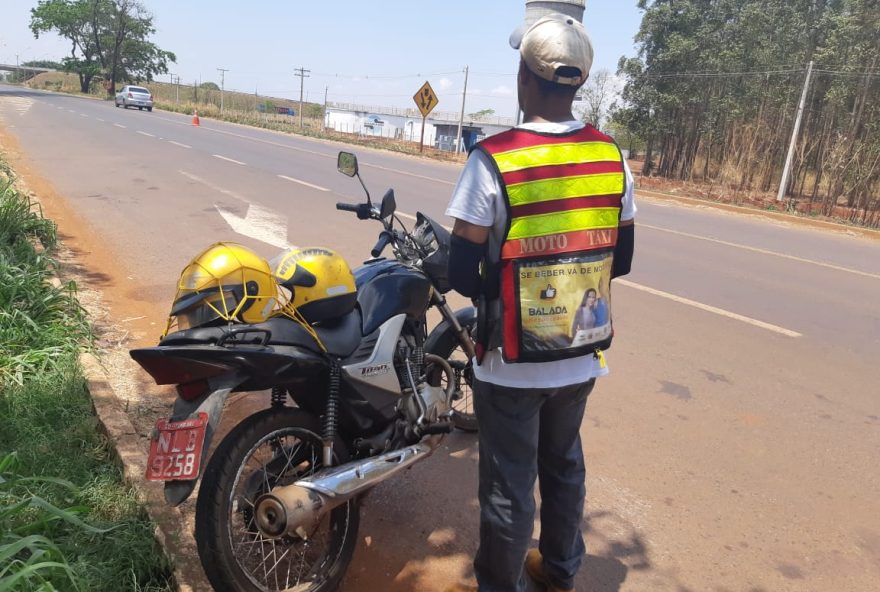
(478, 199)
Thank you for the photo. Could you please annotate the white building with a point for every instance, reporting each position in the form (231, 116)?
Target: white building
(441, 129)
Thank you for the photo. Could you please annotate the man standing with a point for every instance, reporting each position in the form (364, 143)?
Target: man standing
(548, 201)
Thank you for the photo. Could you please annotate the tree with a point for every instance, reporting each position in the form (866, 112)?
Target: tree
(714, 90)
(70, 20)
(108, 38)
(48, 64)
(209, 86)
(481, 113)
(598, 94)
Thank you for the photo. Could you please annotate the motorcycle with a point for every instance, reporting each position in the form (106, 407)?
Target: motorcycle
(279, 501)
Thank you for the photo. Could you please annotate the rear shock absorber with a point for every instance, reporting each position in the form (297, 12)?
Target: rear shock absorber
(279, 396)
(331, 416)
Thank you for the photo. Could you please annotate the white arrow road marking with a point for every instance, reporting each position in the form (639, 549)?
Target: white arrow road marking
(259, 223)
(229, 159)
(318, 187)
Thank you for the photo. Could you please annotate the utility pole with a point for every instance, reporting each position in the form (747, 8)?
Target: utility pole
(461, 119)
(177, 92)
(326, 88)
(223, 72)
(786, 170)
(303, 74)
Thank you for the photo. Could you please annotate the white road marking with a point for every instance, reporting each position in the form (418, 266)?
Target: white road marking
(99, 119)
(179, 144)
(146, 134)
(680, 300)
(259, 223)
(413, 218)
(712, 309)
(71, 110)
(763, 251)
(229, 159)
(119, 125)
(307, 151)
(318, 187)
(434, 179)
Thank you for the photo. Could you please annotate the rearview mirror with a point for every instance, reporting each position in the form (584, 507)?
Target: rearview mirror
(347, 164)
(389, 205)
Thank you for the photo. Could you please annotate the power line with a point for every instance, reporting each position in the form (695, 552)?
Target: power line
(303, 74)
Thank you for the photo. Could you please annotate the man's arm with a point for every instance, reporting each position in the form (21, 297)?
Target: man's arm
(624, 249)
(467, 249)
(626, 242)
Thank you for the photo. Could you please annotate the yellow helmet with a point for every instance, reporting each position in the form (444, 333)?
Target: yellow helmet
(320, 281)
(227, 281)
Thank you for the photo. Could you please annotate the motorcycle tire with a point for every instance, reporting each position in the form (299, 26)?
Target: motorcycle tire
(225, 534)
(446, 346)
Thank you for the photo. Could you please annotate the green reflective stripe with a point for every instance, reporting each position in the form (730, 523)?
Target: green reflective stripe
(558, 222)
(562, 187)
(552, 154)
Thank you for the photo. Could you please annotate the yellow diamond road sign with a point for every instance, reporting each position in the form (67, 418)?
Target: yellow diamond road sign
(426, 99)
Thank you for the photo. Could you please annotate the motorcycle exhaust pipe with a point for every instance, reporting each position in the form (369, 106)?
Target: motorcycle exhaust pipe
(297, 509)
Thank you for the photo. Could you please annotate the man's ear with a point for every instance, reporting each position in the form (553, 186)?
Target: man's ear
(523, 74)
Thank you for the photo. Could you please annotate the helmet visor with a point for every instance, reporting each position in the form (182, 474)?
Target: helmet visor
(219, 305)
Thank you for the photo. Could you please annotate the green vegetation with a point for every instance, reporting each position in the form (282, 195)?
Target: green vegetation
(67, 522)
(109, 39)
(716, 84)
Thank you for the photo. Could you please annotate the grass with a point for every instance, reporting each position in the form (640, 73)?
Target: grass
(67, 520)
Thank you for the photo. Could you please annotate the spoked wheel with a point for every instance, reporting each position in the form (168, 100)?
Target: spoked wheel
(267, 450)
(447, 346)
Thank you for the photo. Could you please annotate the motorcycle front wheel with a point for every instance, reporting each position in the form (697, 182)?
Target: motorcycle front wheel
(271, 448)
(446, 345)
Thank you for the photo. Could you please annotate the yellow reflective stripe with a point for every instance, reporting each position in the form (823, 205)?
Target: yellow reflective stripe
(558, 222)
(552, 154)
(562, 187)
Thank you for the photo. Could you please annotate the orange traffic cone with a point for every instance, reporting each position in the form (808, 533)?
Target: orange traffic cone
(196, 118)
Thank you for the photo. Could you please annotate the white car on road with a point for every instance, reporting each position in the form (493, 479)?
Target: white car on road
(134, 96)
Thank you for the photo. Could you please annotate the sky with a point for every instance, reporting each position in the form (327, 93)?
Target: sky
(365, 53)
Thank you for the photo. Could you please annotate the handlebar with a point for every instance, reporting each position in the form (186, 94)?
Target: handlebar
(363, 211)
(384, 239)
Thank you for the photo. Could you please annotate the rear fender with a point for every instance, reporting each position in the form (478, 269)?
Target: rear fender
(176, 492)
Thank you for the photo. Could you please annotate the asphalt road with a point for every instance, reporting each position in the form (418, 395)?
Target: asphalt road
(734, 446)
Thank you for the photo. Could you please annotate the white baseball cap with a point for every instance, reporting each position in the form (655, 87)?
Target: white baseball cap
(552, 42)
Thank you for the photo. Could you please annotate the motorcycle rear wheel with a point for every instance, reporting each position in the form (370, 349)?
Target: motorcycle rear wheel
(271, 448)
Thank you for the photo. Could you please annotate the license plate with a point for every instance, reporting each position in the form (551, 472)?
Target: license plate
(176, 453)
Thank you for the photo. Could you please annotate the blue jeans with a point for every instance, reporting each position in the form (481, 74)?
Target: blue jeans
(527, 434)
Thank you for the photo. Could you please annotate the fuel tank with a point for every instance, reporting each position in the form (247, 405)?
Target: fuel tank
(387, 288)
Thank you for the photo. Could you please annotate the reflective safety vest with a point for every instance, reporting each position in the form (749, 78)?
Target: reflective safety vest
(547, 292)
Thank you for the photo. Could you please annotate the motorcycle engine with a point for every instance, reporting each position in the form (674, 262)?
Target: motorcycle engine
(425, 404)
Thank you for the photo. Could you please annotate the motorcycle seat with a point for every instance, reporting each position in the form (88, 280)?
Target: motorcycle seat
(340, 336)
